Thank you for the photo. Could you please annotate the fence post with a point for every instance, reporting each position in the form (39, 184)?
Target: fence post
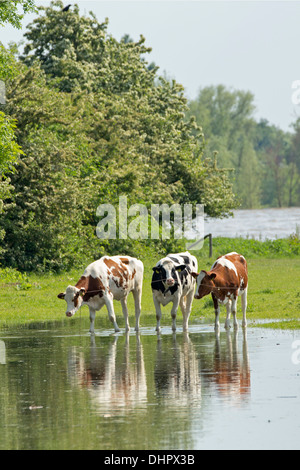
(209, 235)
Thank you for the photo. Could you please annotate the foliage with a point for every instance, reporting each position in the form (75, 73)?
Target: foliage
(10, 13)
(251, 248)
(9, 148)
(265, 159)
(96, 122)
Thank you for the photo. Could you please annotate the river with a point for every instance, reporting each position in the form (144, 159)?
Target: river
(260, 224)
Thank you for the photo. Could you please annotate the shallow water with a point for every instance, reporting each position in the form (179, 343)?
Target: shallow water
(257, 223)
(62, 389)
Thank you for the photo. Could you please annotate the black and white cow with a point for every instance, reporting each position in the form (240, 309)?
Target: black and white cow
(172, 282)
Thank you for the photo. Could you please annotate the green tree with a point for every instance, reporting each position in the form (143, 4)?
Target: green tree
(278, 168)
(9, 149)
(10, 12)
(293, 160)
(226, 117)
(96, 122)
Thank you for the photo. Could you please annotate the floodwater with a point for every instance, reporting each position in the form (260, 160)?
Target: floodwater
(256, 223)
(60, 388)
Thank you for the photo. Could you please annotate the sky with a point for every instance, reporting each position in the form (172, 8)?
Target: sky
(244, 45)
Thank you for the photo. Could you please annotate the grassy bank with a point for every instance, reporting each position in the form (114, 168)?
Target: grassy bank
(274, 289)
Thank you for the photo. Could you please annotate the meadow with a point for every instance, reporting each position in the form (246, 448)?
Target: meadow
(273, 298)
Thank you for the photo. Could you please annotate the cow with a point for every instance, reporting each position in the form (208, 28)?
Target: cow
(227, 279)
(104, 280)
(172, 282)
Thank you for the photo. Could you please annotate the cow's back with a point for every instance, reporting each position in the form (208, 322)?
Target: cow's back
(135, 268)
(234, 266)
(185, 258)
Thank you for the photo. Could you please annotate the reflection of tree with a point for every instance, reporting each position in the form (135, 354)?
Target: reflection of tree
(114, 385)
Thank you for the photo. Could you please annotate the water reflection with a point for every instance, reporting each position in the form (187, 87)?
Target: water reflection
(190, 366)
(64, 390)
(176, 374)
(228, 372)
(119, 379)
(122, 386)
(116, 383)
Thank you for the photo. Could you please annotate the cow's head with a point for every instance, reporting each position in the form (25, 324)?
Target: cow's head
(74, 299)
(205, 283)
(166, 272)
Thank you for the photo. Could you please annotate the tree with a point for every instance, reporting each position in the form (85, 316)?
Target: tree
(274, 150)
(96, 122)
(9, 12)
(9, 148)
(226, 117)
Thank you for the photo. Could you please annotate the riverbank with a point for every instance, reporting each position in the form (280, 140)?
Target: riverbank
(274, 289)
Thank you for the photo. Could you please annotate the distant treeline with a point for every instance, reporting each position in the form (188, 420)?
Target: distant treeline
(265, 160)
(87, 119)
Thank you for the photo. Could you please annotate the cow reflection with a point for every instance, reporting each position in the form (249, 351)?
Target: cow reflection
(187, 369)
(115, 382)
(230, 369)
(177, 370)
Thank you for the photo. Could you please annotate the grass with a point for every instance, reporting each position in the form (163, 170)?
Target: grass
(274, 292)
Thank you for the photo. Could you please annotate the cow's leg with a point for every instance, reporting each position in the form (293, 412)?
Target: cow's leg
(227, 321)
(111, 313)
(182, 304)
(233, 311)
(188, 309)
(244, 307)
(137, 295)
(158, 313)
(125, 313)
(174, 312)
(217, 312)
(92, 320)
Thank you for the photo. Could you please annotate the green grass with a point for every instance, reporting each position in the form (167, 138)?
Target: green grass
(274, 292)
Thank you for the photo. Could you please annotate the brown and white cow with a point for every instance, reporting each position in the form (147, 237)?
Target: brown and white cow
(104, 280)
(227, 279)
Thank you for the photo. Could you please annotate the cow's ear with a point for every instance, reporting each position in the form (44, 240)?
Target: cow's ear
(195, 275)
(82, 291)
(156, 270)
(181, 268)
(61, 296)
(212, 276)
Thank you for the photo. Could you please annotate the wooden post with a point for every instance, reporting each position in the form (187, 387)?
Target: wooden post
(209, 235)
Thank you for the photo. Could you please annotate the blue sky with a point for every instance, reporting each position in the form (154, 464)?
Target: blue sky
(246, 45)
